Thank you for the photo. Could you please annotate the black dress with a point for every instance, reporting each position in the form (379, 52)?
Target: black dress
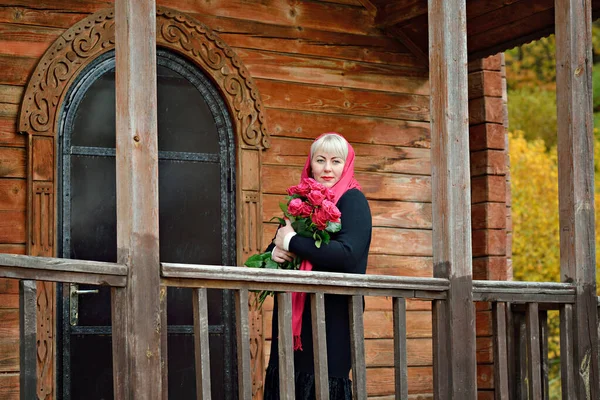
(347, 252)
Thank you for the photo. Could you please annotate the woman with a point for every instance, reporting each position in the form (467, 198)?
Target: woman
(331, 163)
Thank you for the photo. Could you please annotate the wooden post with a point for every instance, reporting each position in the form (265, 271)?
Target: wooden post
(454, 328)
(136, 308)
(576, 183)
(28, 339)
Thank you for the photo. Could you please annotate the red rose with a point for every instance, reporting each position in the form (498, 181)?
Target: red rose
(316, 197)
(295, 207)
(302, 189)
(306, 209)
(314, 185)
(319, 218)
(329, 194)
(332, 212)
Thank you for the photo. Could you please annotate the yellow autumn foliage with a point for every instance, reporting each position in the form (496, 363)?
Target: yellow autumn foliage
(534, 187)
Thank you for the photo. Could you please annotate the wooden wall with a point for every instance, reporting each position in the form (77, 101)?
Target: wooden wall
(320, 66)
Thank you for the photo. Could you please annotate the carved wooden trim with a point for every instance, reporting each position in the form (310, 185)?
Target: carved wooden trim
(95, 35)
(39, 117)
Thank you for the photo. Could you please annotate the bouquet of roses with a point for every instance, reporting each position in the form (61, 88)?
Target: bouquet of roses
(309, 207)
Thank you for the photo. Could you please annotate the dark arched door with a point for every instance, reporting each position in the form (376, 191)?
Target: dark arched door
(196, 221)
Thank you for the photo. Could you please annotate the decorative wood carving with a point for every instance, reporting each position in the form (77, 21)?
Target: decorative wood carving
(39, 116)
(251, 228)
(95, 35)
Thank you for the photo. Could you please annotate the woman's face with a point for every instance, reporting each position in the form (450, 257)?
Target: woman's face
(326, 168)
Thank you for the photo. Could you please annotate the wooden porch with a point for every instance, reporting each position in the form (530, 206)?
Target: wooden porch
(139, 280)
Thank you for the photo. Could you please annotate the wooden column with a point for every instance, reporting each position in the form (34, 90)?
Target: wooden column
(136, 308)
(454, 319)
(576, 184)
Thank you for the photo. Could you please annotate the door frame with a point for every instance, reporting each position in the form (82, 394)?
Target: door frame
(39, 118)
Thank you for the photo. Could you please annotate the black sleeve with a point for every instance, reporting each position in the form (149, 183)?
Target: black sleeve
(348, 245)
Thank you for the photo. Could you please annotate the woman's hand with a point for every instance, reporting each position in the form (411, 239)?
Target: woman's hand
(282, 232)
(279, 255)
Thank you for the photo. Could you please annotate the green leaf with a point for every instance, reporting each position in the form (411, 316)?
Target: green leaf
(254, 264)
(280, 220)
(333, 227)
(283, 207)
(271, 264)
(318, 242)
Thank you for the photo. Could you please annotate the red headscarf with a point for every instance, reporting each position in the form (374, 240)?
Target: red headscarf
(345, 183)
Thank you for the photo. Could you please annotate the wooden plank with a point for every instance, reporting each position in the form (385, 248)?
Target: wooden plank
(328, 71)
(380, 352)
(13, 194)
(9, 93)
(525, 29)
(309, 125)
(488, 162)
(487, 136)
(488, 215)
(329, 100)
(9, 301)
(28, 339)
(359, 367)
(43, 158)
(15, 70)
(23, 40)
(243, 344)
(315, 15)
(136, 328)
(376, 186)
(9, 353)
(400, 349)
(485, 83)
(384, 264)
(311, 42)
(319, 335)
(9, 386)
(543, 319)
(533, 354)
(286, 347)
(201, 344)
(380, 382)
(409, 242)
(9, 286)
(452, 253)
(390, 214)
(28, 14)
(12, 227)
(575, 182)
(370, 157)
(8, 131)
(567, 367)
(504, 13)
(12, 163)
(8, 111)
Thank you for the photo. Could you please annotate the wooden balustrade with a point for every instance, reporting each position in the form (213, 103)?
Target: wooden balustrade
(519, 311)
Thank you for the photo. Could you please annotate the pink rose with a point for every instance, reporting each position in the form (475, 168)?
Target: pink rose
(329, 194)
(295, 207)
(299, 208)
(319, 218)
(316, 197)
(332, 212)
(302, 189)
(314, 185)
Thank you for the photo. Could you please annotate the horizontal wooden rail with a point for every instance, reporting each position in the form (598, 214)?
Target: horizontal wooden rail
(62, 270)
(186, 275)
(524, 292)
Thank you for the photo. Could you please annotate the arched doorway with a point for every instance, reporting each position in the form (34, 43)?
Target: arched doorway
(40, 118)
(196, 220)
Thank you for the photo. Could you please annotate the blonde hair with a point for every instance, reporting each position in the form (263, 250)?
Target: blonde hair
(330, 143)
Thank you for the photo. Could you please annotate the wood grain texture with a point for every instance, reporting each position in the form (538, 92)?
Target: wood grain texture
(576, 184)
(329, 100)
(333, 72)
(9, 386)
(13, 194)
(137, 364)
(309, 125)
(381, 186)
(8, 131)
(452, 252)
(12, 162)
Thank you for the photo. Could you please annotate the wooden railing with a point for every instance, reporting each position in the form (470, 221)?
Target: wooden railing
(519, 312)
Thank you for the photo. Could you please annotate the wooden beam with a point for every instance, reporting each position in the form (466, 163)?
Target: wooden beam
(62, 270)
(399, 12)
(576, 183)
(451, 209)
(136, 308)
